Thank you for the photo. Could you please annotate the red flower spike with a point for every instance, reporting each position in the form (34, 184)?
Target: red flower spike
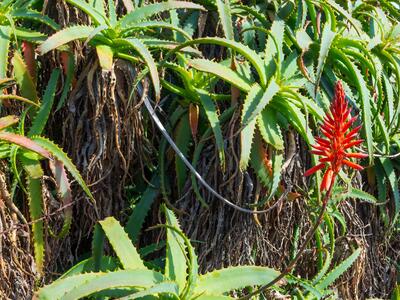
(338, 139)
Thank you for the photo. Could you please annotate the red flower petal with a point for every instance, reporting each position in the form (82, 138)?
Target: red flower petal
(327, 180)
(352, 165)
(356, 155)
(354, 143)
(314, 169)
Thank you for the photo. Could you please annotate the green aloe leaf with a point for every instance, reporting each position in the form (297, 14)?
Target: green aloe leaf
(225, 280)
(94, 14)
(59, 154)
(5, 36)
(105, 54)
(211, 113)
(175, 260)
(224, 11)
(35, 16)
(121, 244)
(327, 39)
(79, 286)
(24, 79)
(140, 211)
(248, 53)
(150, 10)
(269, 128)
(252, 109)
(34, 188)
(8, 121)
(247, 134)
(338, 271)
(222, 72)
(43, 113)
(64, 36)
(144, 52)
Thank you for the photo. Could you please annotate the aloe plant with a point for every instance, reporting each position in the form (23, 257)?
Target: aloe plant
(12, 31)
(130, 277)
(26, 148)
(114, 36)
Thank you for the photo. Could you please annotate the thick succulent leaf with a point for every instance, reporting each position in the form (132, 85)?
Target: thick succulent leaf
(35, 16)
(107, 263)
(211, 113)
(247, 133)
(64, 36)
(156, 24)
(295, 116)
(140, 211)
(142, 50)
(34, 189)
(98, 239)
(98, 5)
(269, 128)
(122, 245)
(224, 11)
(354, 193)
(169, 45)
(24, 79)
(248, 53)
(43, 113)
(94, 14)
(324, 268)
(166, 287)
(29, 35)
(213, 297)
(176, 264)
(393, 181)
(225, 280)
(326, 42)
(274, 45)
(339, 270)
(105, 55)
(5, 36)
(223, 72)
(18, 98)
(25, 142)
(79, 286)
(150, 10)
(8, 121)
(112, 14)
(256, 105)
(59, 154)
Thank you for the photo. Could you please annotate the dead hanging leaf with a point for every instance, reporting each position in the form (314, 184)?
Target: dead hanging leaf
(293, 196)
(29, 58)
(267, 162)
(194, 119)
(371, 177)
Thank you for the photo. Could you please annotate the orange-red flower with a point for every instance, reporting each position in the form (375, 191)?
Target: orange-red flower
(339, 138)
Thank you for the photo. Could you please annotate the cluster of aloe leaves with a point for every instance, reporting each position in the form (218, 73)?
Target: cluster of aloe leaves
(26, 148)
(128, 276)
